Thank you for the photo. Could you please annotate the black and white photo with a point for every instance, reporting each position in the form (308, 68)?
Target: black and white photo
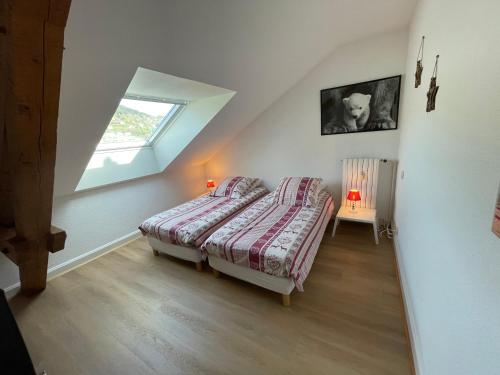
(361, 107)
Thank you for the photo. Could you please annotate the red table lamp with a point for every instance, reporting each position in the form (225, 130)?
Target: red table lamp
(210, 184)
(354, 196)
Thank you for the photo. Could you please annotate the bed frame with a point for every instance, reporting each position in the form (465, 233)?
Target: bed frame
(282, 285)
(187, 253)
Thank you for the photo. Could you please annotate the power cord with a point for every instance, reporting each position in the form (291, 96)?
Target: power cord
(386, 229)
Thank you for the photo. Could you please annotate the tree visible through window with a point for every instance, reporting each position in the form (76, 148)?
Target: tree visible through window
(136, 122)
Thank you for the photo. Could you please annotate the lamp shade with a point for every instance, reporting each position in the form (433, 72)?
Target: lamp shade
(210, 184)
(354, 195)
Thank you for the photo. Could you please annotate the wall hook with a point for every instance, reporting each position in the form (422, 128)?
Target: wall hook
(420, 67)
(433, 88)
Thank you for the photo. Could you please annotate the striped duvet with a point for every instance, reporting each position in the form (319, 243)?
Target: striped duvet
(191, 223)
(276, 239)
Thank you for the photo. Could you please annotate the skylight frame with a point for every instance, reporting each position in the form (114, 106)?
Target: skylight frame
(164, 123)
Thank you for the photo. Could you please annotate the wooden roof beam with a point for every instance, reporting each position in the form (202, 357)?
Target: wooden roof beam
(31, 49)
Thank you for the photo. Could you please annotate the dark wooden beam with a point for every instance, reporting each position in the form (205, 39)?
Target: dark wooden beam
(32, 36)
(6, 210)
(56, 239)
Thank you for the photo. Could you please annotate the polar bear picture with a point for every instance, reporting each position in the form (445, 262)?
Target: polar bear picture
(356, 111)
(361, 107)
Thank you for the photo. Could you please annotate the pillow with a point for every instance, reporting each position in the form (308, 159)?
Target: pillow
(298, 191)
(235, 187)
(240, 191)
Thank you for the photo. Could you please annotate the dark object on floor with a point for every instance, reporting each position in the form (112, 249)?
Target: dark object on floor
(14, 357)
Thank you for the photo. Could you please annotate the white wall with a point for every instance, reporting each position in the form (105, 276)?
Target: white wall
(285, 140)
(96, 217)
(451, 160)
(257, 48)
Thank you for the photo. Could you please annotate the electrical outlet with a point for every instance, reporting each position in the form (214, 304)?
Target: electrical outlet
(402, 174)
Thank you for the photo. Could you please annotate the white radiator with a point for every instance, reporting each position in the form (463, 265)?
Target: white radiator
(375, 179)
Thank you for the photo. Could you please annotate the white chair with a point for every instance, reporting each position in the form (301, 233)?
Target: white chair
(361, 174)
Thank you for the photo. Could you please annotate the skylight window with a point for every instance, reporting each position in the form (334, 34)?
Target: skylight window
(137, 122)
(156, 119)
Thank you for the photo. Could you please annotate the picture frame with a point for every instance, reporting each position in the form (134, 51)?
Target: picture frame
(361, 107)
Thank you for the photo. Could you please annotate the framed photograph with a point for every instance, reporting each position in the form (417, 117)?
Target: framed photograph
(361, 107)
(496, 216)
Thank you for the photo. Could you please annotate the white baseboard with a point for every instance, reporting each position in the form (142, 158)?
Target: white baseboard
(409, 311)
(80, 260)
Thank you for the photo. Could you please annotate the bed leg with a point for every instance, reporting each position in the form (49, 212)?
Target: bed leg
(285, 299)
(156, 253)
(199, 266)
(216, 273)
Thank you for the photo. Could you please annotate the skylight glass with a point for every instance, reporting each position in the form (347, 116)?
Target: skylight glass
(136, 123)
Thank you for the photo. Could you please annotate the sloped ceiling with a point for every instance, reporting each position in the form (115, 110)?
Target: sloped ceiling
(258, 48)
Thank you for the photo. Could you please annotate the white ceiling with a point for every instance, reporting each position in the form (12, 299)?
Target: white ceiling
(259, 48)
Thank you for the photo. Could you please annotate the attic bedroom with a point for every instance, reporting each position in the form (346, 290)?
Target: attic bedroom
(249, 187)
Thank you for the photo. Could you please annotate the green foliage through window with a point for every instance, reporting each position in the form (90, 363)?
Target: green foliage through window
(135, 122)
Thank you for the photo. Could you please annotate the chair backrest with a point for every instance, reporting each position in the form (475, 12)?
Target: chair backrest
(361, 174)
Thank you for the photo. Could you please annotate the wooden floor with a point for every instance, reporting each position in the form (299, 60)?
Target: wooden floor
(129, 312)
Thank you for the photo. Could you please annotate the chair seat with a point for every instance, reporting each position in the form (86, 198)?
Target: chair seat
(363, 215)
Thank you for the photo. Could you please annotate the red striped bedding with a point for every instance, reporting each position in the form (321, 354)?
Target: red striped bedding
(191, 223)
(280, 240)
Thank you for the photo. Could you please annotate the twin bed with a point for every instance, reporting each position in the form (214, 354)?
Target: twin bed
(268, 239)
(181, 231)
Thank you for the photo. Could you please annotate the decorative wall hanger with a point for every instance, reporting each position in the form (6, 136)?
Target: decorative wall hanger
(433, 89)
(420, 67)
